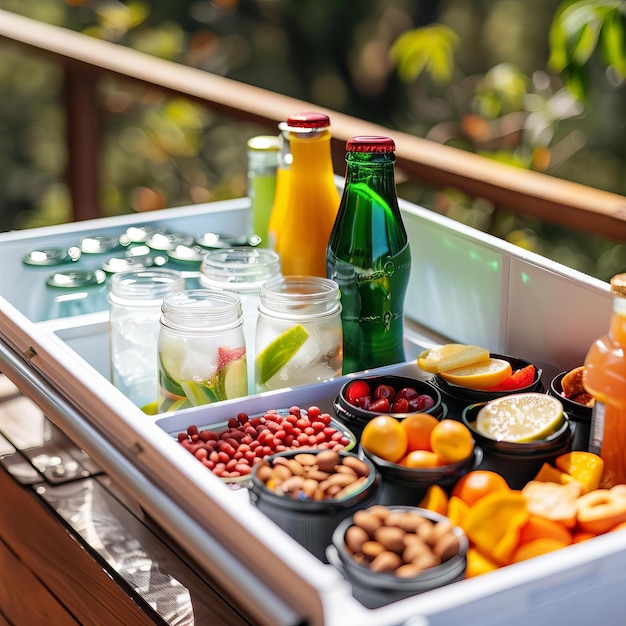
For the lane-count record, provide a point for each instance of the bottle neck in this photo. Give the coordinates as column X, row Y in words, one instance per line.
column 617, row 328
column 372, row 174
column 310, row 151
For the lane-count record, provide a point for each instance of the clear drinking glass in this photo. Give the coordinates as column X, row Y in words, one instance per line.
column 298, row 334
column 135, row 308
column 202, row 350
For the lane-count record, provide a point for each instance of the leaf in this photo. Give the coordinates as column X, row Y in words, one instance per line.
column 586, row 43
column 428, row 48
column 613, row 44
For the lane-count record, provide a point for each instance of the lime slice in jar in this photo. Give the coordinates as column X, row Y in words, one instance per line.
column 520, row 418
column 199, row 393
column 279, row 352
column 234, row 379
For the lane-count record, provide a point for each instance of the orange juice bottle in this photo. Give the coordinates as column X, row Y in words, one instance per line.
column 313, row 198
column 605, row 379
column 281, row 193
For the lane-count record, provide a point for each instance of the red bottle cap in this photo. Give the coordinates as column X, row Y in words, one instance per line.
column 308, row 120
column 370, row 143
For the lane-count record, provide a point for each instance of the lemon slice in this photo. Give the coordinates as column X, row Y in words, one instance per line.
column 450, row 356
column 480, row 375
column 279, row 352
column 520, row 418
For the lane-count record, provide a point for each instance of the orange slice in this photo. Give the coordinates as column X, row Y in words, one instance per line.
column 479, row 376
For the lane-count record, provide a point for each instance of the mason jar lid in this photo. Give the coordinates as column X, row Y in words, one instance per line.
column 239, row 268
column 51, row 256
column 144, row 285
column 370, row 143
column 76, row 279
column 201, row 309
column 302, row 297
column 99, row 244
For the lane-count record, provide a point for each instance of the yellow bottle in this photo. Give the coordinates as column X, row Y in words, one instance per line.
column 281, row 192
column 313, row 198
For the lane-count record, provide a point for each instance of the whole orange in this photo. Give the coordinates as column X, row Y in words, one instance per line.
column 452, row 441
column 384, row 436
column 477, row 484
column 418, row 428
column 420, row 458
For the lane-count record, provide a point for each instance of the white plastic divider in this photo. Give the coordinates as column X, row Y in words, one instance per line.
column 475, row 288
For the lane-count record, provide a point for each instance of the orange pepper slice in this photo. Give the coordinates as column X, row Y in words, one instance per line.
column 550, row 474
column 493, row 524
column 457, row 510
column 585, row 467
column 435, row 499
column 537, row 547
column 541, row 528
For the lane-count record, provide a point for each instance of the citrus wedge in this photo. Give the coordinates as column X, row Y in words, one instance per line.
column 450, row 356
column 521, row 417
column 479, row 376
column 234, row 379
column 279, row 352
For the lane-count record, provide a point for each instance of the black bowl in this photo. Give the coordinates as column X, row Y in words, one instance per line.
column 474, row 395
column 518, row 462
column 355, row 418
column 579, row 413
column 408, row 485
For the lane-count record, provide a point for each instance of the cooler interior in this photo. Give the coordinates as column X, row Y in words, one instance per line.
column 465, row 286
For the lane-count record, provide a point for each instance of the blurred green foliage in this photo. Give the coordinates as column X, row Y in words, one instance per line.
column 534, row 83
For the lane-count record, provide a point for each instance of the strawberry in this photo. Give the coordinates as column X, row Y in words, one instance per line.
column 226, row 355
column 517, row 380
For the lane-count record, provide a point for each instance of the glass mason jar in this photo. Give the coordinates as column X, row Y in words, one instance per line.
column 298, row 333
column 242, row 271
column 202, row 350
column 134, row 310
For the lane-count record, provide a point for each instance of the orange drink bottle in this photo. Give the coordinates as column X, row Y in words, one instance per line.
column 313, row 198
column 605, row 379
column 281, row 191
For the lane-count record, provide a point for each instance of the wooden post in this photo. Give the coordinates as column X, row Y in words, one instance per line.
column 83, row 138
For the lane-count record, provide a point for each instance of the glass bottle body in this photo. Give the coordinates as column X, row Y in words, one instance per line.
column 313, row 198
column 605, row 379
column 202, row 350
column 263, row 153
column 298, row 335
column 369, row 257
column 281, row 192
column 134, row 310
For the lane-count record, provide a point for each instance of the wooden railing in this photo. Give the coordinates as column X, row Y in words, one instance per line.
column 85, row 60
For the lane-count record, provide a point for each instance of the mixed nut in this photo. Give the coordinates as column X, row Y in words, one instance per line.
column 314, row 475
column 399, row 542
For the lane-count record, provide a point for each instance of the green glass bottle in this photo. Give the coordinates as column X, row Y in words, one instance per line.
column 368, row 256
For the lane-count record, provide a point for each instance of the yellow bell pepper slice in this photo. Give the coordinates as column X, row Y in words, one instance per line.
column 585, row 467
column 435, row 499
column 493, row 524
column 478, row 563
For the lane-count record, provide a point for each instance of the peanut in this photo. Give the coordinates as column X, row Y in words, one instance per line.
column 312, row 476
column 399, row 542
